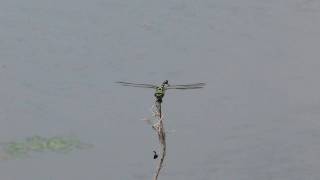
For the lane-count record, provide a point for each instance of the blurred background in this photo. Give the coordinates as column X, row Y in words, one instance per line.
column 257, row 118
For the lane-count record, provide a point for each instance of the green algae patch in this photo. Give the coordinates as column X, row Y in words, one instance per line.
column 16, row 149
column 37, row 144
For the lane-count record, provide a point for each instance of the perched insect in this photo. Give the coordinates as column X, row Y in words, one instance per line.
column 160, row 90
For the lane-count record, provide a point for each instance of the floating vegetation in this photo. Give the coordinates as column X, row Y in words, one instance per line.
column 16, row 149
column 24, row 148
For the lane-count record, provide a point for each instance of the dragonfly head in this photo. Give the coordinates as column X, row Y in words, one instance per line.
column 166, row 82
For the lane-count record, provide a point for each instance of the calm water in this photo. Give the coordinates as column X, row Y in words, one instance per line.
column 257, row 118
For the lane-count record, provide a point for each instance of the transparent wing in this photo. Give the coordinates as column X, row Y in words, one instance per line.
column 136, row 84
column 187, row 86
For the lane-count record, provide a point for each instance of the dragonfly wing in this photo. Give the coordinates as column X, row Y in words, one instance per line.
column 187, row 86
column 136, row 84
column 184, row 88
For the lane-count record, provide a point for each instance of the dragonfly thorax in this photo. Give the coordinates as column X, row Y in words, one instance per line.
column 166, row 82
column 160, row 90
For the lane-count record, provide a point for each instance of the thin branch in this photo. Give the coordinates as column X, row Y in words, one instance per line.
column 159, row 128
column 156, row 121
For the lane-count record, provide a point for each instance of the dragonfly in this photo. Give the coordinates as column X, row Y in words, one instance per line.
column 161, row 89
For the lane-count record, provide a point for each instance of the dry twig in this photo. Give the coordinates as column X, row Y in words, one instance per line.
column 159, row 128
